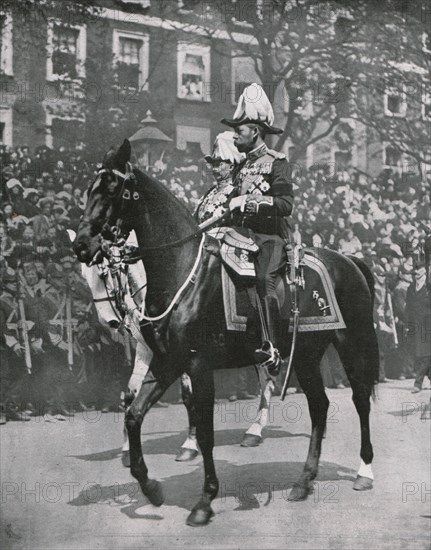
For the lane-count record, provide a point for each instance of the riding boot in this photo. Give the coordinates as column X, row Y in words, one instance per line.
column 268, row 355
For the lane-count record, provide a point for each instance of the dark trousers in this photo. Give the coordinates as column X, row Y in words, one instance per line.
column 269, row 263
column 422, row 369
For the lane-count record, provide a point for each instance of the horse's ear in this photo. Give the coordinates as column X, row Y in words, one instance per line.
column 123, row 154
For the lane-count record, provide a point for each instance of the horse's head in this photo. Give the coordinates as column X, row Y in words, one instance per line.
column 107, row 199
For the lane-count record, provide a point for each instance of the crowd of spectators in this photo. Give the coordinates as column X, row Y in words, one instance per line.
column 381, row 220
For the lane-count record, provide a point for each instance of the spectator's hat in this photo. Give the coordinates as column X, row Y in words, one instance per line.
column 224, row 150
column 54, row 271
column 30, row 192
column 64, row 195
column 45, row 201
column 10, row 184
column 418, row 258
column 254, row 108
column 9, row 279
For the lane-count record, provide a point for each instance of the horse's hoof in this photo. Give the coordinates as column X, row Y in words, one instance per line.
column 125, row 459
column 200, row 516
column 362, row 484
column 186, row 454
column 250, row 440
column 298, row 493
column 152, row 489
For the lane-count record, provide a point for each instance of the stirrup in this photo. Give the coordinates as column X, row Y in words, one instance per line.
column 268, row 357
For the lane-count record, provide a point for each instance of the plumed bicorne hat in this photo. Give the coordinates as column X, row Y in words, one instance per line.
column 224, row 149
column 254, row 108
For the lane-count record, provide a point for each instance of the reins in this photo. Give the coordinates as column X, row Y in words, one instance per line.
column 126, row 195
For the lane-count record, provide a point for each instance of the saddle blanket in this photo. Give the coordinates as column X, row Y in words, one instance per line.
column 319, row 309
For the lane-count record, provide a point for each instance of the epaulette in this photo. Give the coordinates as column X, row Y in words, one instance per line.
column 276, row 154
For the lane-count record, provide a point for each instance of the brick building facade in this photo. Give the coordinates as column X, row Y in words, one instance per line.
column 93, row 80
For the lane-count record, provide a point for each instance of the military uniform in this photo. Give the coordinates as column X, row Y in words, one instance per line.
column 13, row 373
column 263, row 175
column 264, row 200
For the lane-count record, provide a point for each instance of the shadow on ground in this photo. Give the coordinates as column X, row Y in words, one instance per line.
column 251, row 485
column 170, row 444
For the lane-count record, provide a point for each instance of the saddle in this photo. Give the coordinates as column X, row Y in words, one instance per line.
column 318, row 306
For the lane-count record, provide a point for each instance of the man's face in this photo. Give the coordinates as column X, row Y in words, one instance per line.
column 221, row 169
column 47, row 209
column 31, row 276
column 245, row 137
column 28, row 234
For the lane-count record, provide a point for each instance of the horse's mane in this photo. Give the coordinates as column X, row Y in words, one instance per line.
column 166, row 196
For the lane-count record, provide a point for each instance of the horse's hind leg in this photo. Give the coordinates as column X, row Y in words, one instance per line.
column 189, row 449
column 151, row 390
column 309, row 354
column 203, row 396
column 358, row 359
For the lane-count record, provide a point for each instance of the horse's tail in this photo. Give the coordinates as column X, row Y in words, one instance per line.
column 372, row 365
column 366, row 272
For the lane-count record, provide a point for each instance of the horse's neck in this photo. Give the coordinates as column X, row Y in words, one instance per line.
column 164, row 220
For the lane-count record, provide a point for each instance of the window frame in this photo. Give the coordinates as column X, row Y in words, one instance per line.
column 49, row 117
column 144, row 69
column 196, row 49
column 6, row 117
column 395, row 92
column 397, row 166
column 81, row 51
column 6, row 53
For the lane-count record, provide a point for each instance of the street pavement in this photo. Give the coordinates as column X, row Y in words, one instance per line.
column 64, row 487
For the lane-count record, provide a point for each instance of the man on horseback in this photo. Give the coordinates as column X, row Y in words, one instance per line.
column 223, row 159
column 264, row 199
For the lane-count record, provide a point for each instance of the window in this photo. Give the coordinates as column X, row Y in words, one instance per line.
column 187, row 135
column 342, row 160
column 6, row 57
column 66, row 51
column 131, row 58
column 395, row 102
column 193, row 72
column 63, row 131
column 391, row 156
column 6, row 126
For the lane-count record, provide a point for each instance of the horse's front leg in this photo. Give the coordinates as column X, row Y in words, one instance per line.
column 203, row 397
column 149, row 393
column 189, row 449
column 253, row 436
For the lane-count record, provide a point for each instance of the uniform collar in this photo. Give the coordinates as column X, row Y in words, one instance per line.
column 257, row 152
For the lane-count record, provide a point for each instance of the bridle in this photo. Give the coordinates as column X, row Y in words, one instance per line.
column 127, row 194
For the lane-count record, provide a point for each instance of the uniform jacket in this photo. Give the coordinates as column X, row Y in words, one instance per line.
column 418, row 309
column 265, row 172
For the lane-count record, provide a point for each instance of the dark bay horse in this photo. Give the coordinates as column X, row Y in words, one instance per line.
column 185, row 311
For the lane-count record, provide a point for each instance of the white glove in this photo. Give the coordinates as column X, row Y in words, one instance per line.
column 237, row 202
